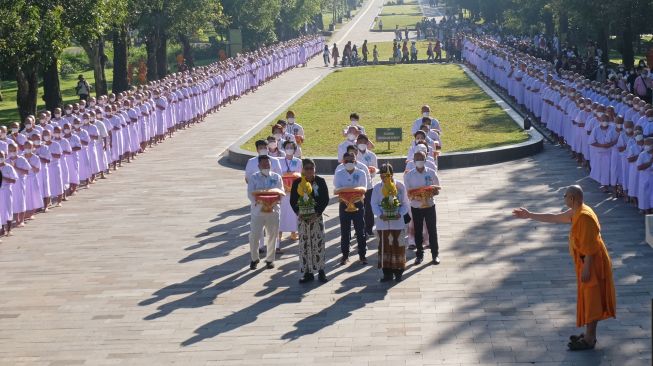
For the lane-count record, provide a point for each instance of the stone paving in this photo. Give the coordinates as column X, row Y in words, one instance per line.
column 151, row 268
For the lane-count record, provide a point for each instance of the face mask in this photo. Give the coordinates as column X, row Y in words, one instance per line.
column 291, row 121
column 272, row 145
column 351, row 137
column 277, row 136
column 620, row 126
column 263, row 152
column 265, row 171
column 2, row 160
column 362, row 147
column 419, row 164
column 629, row 130
column 27, row 151
column 425, row 114
column 14, row 130
column 57, row 135
column 12, row 154
column 57, row 115
column 37, row 143
column 350, row 166
column 604, row 124
column 3, row 135
column 28, row 125
column 600, row 114
column 77, row 125
column 91, row 104
column 86, row 121
column 66, row 130
column 69, row 111
column 290, row 152
column 639, row 138
column 354, row 122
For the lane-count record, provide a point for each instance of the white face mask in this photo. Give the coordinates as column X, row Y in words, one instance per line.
column 599, row 114
column 265, row 171
column 28, row 151
column 639, row 138
column 57, row 135
column 425, row 114
column 354, row 122
column 291, row 121
column 350, row 166
column 362, row 147
column 66, row 130
column 14, row 130
column 629, row 130
column 57, row 115
column 28, row 125
column 86, row 122
column 419, row 164
column 272, row 145
column 604, row 124
column 69, row 111
column 2, row 160
column 3, row 135
column 12, row 154
column 46, row 138
column 277, row 136
column 290, row 152
column 36, row 143
column 351, row 137
column 263, row 152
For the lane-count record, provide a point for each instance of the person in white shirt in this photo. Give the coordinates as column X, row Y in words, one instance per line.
column 426, row 113
column 252, row 163
column 264, row 179
column 423, row 206
column 351, row 177
column 368, row 158
column 390, row 205
column 294, row 128
column 352, row 135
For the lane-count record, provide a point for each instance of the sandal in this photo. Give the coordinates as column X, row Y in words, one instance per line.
column 576, row 338
column 581, row 345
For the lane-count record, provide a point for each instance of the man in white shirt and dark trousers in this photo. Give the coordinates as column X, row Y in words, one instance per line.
column 351, row 177
column 423, row 209
column 264, row 179
column 369, row 159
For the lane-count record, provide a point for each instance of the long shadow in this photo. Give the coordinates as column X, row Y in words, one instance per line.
column 528, row 309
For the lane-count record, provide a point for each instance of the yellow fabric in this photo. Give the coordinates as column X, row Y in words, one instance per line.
column 305, row 187
column 596, row 299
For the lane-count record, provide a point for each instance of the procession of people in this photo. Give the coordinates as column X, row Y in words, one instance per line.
column 286, row 195
column 75, row 146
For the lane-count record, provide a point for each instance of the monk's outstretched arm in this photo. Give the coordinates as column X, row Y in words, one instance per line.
column 553, row 218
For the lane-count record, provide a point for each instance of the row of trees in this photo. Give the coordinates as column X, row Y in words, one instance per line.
column 34, row 33
column 608, row 22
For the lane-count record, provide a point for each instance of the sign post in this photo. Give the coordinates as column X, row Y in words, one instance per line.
column 388, row 135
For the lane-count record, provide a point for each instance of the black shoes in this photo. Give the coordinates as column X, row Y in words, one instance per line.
column 344, row 260
column 321, row 276
column 398, row 277
column 419, row 260
column 253, row 264
column 436, row 260
column 308, row 277
column 386, row 279
column 269, row 265
column 363, row 260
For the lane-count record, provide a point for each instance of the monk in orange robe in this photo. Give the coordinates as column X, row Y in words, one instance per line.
column 595, row 286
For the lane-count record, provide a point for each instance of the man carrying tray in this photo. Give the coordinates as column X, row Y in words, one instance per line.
column 423, row 185
column 264, row 189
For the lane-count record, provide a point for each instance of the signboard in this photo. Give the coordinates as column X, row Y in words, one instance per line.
column 388, row 134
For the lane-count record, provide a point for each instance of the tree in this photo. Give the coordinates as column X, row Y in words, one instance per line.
column 256, row 18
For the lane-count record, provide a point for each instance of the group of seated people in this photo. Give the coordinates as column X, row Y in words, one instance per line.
column 607, row 129
column 59, row 151
column 278, row 165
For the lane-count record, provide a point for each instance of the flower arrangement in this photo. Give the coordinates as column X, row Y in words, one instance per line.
column 306, row 202
column 390, row 203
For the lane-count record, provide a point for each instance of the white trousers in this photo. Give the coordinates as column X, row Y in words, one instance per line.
column 269, row 222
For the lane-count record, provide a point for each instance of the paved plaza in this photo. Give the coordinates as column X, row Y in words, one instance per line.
column 150, row 267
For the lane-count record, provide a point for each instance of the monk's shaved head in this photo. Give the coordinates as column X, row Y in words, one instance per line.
column 576, row 192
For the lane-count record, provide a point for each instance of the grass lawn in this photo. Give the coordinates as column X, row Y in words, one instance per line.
column 401, row 10
column 391, row 21
column 391, row 96
column 385, row 50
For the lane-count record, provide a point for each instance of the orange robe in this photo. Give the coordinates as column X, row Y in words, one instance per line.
column 596, row 298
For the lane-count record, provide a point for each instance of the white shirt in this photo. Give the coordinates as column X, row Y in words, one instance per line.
column 363, row 167
column 435, row 125
column 252, row 166
column 342, row 148
column 414, row 179
column 258, row 182
column 369, row 159
column 345, row 179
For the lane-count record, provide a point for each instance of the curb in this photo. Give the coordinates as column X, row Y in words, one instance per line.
column 454, row 160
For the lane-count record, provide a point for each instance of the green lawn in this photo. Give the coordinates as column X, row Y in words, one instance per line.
column 391, row 96
column 385, row 50
column 401, row 10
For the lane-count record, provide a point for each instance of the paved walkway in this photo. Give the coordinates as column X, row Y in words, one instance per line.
column 436, row 12
column 150, row 268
